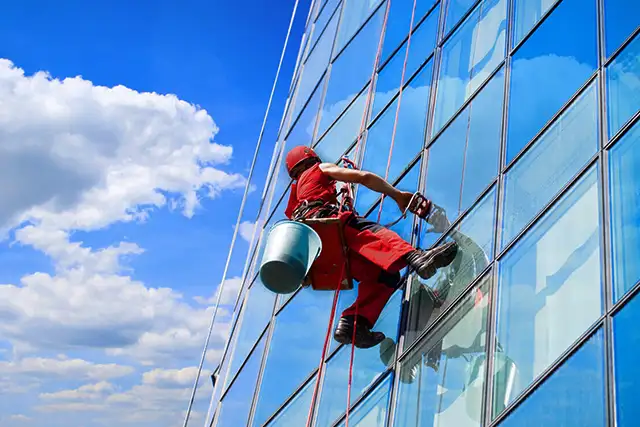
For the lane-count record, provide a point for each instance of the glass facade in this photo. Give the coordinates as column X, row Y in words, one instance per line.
column 521, row 120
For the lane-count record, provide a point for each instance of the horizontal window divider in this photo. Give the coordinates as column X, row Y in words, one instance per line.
column 585, row 169
column 292, row 396
column 363, row 396
column 286, row 303
column 294, row 122
column 446, row 36
column 244, row 362
column 322, row 30
column 550, row 123
column 464, row 105
column 535, row 26
column 623, row 131
column 358, row 31
column 622, row 47
column 548, row 372
column 624, row 299
column 319, row 138
column 438, row 321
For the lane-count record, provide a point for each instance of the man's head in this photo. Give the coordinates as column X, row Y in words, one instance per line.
column 299, row 159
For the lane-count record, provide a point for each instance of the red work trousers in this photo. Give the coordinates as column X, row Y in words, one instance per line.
column 376, row 256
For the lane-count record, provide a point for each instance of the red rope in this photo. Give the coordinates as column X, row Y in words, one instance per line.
column 395, row 122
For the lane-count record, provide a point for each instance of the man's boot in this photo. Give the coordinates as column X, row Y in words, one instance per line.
column 365, row 338
column 426, row 263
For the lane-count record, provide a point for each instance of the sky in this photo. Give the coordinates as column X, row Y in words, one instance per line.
column 127, row 131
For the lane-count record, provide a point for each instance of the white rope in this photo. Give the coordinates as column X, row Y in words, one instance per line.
column 235, row 232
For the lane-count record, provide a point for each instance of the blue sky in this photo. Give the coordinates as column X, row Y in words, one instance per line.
column 92, row 215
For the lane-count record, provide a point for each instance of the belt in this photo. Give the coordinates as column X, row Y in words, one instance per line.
column 315, row 209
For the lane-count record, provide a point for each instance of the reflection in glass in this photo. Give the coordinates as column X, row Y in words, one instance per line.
column 351, row 70
column 550, row 287
column 573, row 396
column 409, row 136
column 373, row 411
column 455, row 10
column 421, row 46
column 257, row 312
column 315, row 66
column 236, row 404
column 295, row 349
column 297, row 410
column 621, row 18
column 624, row 173
column 323, row 19
column 464, row 158
column 469, row 57
column 344, row 131
column 552, row 161
column 474, row 236
column 623, row 87
column 527, row 14
column 398, row 26
column 441, row 381
column 538, row 90
column 367, row 367
column 353, row 15
column 626, row 341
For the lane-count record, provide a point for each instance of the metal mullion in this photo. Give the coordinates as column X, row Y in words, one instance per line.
column 363, row 396
column 623, row 131
column 548, row 372
column 437, row 322
column 584, row 170
column 323, row 30
column 464, row 105
column 535, row 26
column 314, row 405
column 294, row 121
column 358, row 31
column 263, row 364
column 625, row 299
column 624, row 44
column 551, row 121
column 446, row 36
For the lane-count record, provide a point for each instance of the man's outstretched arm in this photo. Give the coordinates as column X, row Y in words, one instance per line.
column 369, row 180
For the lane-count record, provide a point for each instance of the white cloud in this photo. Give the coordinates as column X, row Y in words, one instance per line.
column 246, row 230
column 229, row 291
column 19, row 417
column 171, row 377
column 86, row 392
column 41, row 368
column 71, row 407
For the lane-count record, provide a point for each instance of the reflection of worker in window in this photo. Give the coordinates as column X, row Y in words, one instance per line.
column 376, row 254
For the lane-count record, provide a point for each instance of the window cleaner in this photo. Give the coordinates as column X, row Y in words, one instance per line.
column 355, row 247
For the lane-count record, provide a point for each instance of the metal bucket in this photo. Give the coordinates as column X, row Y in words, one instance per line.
column 291, row 249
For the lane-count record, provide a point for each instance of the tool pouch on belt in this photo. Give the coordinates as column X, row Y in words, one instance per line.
column 331, row 269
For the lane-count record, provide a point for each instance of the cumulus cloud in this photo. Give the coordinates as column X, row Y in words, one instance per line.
column 19, row 417
column 70, row 368
column 86, row 392
column 229, row 290
column 246, row 230
column 171, row 377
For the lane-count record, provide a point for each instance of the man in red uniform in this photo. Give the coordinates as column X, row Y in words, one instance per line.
column 376, row 254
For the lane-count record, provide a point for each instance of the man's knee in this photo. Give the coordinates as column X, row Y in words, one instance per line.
column 389, row 279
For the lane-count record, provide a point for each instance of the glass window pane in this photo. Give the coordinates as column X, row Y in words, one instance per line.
column 409, row 137
column 367, row 366
column 441, row 381
column 235, row 406
column 469, row 56
column 373, row 411
column 388, row 82
column 621, row 18
column 626, row 341
column 323, row 19
column 465, row 157
column 344, row 132
column 257, row 312
column 316, row 65
column 624, row 173
column 398, row 24
column 573, row 396
column 297, row 410
column 351, row 70
column 295, row 350
column 550, row 287
column 623, row 86
column 527, row 14
column 550, row 163
column 455, row 10
column 538, row 89
column 354, row 13
column 474, row 236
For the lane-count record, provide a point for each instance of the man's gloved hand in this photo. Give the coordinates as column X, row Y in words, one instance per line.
column 438, row 219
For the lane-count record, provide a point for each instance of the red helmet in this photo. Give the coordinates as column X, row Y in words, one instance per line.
column 297, row 155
